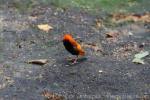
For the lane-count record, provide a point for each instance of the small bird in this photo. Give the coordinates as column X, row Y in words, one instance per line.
column 73, row 47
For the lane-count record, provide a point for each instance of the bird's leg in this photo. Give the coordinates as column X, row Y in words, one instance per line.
column 75, row 60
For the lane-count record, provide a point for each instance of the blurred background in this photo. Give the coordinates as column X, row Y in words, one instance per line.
column 108, row 6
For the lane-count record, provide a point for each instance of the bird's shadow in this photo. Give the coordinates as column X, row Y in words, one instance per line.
column 81, row 59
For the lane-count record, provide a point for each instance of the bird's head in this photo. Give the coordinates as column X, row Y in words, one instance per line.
column 67, row 37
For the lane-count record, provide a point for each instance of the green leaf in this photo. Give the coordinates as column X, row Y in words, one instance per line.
column 138, row 58
column 142, row 54
column 138, row 61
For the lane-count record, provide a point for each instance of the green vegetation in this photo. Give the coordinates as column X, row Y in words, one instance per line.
column 102, row 5
column 106, row 5
column 92, row 5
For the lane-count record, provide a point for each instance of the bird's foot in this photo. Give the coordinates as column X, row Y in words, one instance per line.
column 74, row 61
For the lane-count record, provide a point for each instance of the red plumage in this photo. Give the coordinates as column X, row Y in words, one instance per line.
column 72, row 46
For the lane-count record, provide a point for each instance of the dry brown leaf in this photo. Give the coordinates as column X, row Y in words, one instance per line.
column 38, row 61
column 92, row 46
column 145, row 97
column 45, row 27
column 112, row 34
column 51, row 96
column 99, row 23
column 117, row 18
column 33, row 18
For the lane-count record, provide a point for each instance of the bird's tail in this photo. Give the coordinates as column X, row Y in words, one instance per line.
column 81, row 51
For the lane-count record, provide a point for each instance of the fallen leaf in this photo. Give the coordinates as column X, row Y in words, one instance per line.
column 2, row 86
column 100, row 71
column 51, row 96
column 45, row 27
column 32, row 18
column 112, row 34
column 138, row 61
column 130, row 33
column 138, row 58
column 142, row 54
column 92, row 46
column 99, row 23
column 38, row 61
column 145, row 97
column 117, row 18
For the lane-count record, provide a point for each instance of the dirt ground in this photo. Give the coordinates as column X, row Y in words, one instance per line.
column 105, row 73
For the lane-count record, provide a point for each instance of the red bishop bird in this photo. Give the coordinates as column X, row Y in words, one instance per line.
column 73, row 46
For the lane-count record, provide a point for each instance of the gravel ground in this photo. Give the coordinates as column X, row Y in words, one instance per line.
column 105, row 74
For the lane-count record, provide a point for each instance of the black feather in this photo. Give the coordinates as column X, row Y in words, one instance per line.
column 70, row 48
